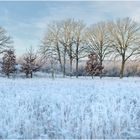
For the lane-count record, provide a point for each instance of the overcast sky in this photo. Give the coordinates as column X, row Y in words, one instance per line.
column 26, row 21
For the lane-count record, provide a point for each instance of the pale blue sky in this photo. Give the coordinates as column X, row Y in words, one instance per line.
column 26, row 21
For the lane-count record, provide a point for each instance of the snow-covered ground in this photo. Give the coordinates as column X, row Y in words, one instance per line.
column 70, row 108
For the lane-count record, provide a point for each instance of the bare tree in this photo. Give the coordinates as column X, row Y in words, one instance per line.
column 79, row 42
column 97, row 41
column 53, row 35
column 5, row 41
column 124, row 38
column 9, row 62
column 67, row 41
column 49, row 53
column 30, row 63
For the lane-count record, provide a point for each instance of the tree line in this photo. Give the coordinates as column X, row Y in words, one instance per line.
column 68, row 41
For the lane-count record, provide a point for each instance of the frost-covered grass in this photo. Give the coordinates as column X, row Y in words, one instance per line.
column 70, row 108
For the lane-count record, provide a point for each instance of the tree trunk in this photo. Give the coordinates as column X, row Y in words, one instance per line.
column 101, row 59
column 61, row 67
column 77, row 60
column 8, row 75
column 101, row 73
column 70, row 67
column 70, row 55
column 59, row 57
column 31, row 74
column 122, row 68
column 26, row 75
column 52, row 70
column 64, row 66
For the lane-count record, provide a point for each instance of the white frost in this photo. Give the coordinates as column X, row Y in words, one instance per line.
column 70, row 108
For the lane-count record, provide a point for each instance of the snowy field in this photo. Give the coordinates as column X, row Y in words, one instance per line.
column 70, row 108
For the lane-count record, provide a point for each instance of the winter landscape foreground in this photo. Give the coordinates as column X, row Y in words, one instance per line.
column 70, row 108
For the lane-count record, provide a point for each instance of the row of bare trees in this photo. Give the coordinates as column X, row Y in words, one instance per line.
column 70, row 40
column 64, row 41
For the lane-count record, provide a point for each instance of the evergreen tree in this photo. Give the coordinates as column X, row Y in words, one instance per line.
column 8, row 63
column 93, row 66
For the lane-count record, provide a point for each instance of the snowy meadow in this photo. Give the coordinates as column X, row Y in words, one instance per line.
column 70, row 108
